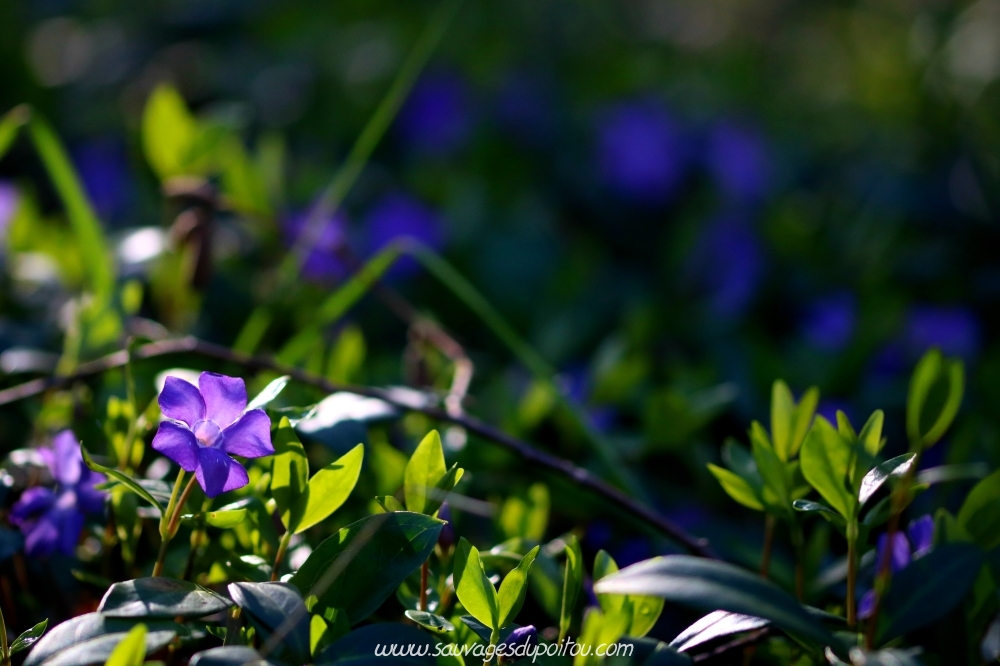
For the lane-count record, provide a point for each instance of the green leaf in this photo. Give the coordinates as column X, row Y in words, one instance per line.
column 599, row 629
column 514, row 588
column 430, row 621
column 270, row 392
column 894, row 467
column 825, row 458
column 29, row 637
column 131, row 651
column 228, row 655
column 942, row 379
column 10, row 124
column 225, row 519
column 89, row 626
column 358, row 568
column 710, row 585
column 94, row 253
column 645, row 610
column 160, row 598
column 871, row 434
column 473, row 587
column 803, row 419
column 168, row 132
column 929, row 588
column 736, row 487
column 980, row 513
column 770, row 466
column 782, row 419
column 289, row 474
column 276, row 608
column 328, row 489
column 425, row 469
column 390, row 503
column 717, row 624
column 572, row 583
column 98, row 650
column 121, row 477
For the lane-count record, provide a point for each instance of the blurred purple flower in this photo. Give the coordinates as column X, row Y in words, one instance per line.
column 830, row 321
column 900, row 552
column 954, row 329
column 435, row 119
column 921, row 532
column 51, row 520
column 8, row 204
column 323, row 263
column 208, row 424
column 729, row 264
column 399, row 215
column 103, row 168
column 737, row 159
column 517, row 645
column 640, row 152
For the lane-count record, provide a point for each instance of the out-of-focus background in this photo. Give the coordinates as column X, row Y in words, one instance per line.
column 675, row 201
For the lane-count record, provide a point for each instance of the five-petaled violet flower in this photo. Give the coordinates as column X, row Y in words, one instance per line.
column 51, row 520
column 206, row 424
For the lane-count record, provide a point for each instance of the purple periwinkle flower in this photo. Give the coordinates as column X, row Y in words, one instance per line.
column 519, row 644
column 399, row 215
column 8, row 204
column 954, row 329
column 899, row 553
column 829, row 322
column 51, row 520
column 729, row 264
column 640, row 152
column 435, row 119
column 921, row 538
column 921, row 533
column 207, row 424
column 103, row 168
column 737, row 158
column 323, row 263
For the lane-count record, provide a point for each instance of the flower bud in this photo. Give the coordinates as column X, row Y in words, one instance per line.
column 518, row 645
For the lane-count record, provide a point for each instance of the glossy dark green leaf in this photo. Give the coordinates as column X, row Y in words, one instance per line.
column 484, row 632
column 929, row 588
column 664, row 655
column 29, row 637
column 228, row 655
column 252, row 567
column 716, row 625
column 362, row 565
column 85, row 627
column 270, row 392
column 289, row 474
column 97, row 650
column 358, row 648
column 160, row 598
column 894, row 467
column 279, row 613
column 430, row 621
column 710, row 585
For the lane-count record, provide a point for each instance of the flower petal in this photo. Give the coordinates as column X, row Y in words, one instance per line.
column 69, row 522
column 89, row 499
column 249, row 437
column 225, row 397
column 178, row 444
column 41, row 538
column 218, row 473
column 180, row 400
column 32, row 501
column 67, row 463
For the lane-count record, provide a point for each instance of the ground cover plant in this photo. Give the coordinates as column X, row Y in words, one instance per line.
column 254, row 431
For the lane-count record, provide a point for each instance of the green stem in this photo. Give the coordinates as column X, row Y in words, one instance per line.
column 770, row 523
column 424, row 572
column 3, row 640
column 798, row 548
column 171, row 518
column 852, row 570
column 280, row 555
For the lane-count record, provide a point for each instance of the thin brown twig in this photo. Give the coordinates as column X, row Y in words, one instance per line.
column 193, row 345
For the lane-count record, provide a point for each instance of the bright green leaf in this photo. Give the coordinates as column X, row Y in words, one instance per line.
column 514, row 588
column 940, row 382
column 736, row 487
column 131, row 651
column 328, row 489
column 289, row 474
column 473, row 586
column 390, row 503
column 425, row 469
column 871, row 434
column 782, row 419
column 168, row 132
column 825, row 459
column 572, row 583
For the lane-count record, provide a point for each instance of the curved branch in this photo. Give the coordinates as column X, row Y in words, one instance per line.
column 193, row 345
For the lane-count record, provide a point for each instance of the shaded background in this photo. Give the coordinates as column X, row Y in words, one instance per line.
column 676, row 201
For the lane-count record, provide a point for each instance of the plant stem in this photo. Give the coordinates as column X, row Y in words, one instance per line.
column 280, row 555
column 424, row 571
column 174, row 512
column 798, row 546
column 852, row 570
column 3, row 640
column 770, row 523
